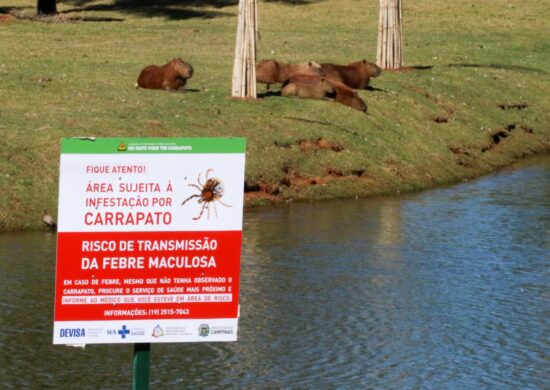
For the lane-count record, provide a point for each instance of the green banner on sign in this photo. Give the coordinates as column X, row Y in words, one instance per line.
column 152, row 145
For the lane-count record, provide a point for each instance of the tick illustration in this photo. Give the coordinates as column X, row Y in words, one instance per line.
column 210, row 193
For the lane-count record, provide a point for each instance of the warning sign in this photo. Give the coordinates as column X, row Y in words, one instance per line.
column 149, row 240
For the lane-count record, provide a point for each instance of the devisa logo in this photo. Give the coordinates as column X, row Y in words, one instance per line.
column 72, row 332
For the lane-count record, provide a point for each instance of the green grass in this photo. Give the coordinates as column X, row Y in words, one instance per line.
column 77, row 79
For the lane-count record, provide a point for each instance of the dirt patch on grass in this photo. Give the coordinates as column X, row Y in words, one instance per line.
column 310, row 145
column 41, row 80
column 513, row 106
column 5, row 19
column 459, row 150
column 320, row 143
column 153, row 124
column 498, row 135
column 294, row 182
column 467, row 155
column 395, row 168
column 255, row 193
column 284, row 145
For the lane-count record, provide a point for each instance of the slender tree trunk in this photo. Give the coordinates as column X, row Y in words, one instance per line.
column 390, row 40
column 46, row 7
column 244, row 66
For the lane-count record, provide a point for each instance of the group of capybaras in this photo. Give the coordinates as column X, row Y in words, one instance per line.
column 305, row 80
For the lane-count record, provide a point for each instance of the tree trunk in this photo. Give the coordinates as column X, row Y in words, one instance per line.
column 390, row 40
column 46, row 7
column 244, row 66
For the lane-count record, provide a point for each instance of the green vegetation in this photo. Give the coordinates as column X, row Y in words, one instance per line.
column 475, row 98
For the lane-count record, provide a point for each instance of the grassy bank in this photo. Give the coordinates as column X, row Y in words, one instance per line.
column 475, row 97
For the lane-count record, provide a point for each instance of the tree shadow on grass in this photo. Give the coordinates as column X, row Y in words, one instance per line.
column 268, row 93
column 422, row 67
column 294, row 2
column 169, row 9
column 517, row 68
column 374, row 89
column 9, row 10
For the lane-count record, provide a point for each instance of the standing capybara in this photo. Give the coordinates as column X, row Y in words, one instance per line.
column 170, row 77
column 355, row 75
column 318, row 87
column 272, row 71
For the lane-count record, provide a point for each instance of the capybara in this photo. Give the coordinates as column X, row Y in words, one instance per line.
column 307, row 86
column 272, row 71
column 348, row 96
column 171, row 76
column 318, row 87
column 355, row 75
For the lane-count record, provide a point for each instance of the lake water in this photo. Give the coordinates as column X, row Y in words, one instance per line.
column 446, row 289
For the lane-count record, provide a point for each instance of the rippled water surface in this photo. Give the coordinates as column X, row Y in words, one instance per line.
column 447, row 289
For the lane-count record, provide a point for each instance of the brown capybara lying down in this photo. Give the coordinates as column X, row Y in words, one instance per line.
column 170, row 77
column 355, row 75
column 348, row 96
column 307, row 86
column 318, row 87
column 272, row 71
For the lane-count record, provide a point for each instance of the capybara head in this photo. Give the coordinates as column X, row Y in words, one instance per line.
column 358, row 104
column 353, row 100
column 372, row 69
column 310, row 68
column 184, row 69
column 347, row 96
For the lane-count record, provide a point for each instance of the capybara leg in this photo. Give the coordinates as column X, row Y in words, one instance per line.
column 289, row 90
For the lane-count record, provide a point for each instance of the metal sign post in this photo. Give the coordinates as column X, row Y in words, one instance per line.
column 140, row 380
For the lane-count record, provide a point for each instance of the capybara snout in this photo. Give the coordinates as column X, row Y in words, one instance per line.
column 184, row 69
column 171, row 76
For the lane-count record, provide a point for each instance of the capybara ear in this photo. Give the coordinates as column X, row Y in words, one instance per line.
column 364, row 61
